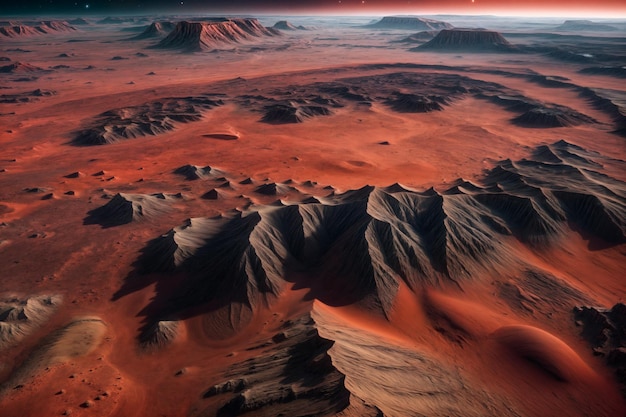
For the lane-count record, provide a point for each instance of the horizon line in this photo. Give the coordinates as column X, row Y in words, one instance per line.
column 580, row 14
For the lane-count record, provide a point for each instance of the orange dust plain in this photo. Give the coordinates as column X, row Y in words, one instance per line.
column 312, row 216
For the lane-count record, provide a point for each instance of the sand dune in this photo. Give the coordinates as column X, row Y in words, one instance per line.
column 203, row 36
column 429, row 385
column 545, row 350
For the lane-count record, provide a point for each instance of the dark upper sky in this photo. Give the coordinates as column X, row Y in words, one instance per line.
column 530, row 7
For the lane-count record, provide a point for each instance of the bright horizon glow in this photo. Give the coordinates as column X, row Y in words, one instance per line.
column 584, row 12
column 578, row 14
column 588, row 14
column 583, row 9
column 573, row 14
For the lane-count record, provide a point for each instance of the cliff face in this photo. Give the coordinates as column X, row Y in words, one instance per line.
column 376, row 238
column 477, row 40
column 201, row 36
column 43, row 28
column 412, row 23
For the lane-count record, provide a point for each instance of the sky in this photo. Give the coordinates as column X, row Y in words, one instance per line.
column 607, row 8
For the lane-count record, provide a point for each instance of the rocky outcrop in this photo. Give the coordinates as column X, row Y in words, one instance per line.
column 373, row 238
column 156, row 30
column 292, row 112
column 605, row 330
column 126, row 208
column 159, row 334
column 585, row 25
column 467, row 40
column 21, row 315
column 416, row 103
column 544, row 117
column 149, row 119
column 410, row 23
column 206, row 36
column 48, row 27
column 292, row 374
column 19, row 67
column 285, row 25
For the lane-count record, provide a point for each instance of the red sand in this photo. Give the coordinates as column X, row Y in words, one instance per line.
column 537, row 361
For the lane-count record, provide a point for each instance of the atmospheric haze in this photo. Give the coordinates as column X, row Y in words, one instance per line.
column 538, row 8
column 212, row 211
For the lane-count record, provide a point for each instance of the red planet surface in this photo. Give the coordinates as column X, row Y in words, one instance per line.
column 327, row 208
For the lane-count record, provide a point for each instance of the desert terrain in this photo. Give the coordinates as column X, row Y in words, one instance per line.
column 312, row 216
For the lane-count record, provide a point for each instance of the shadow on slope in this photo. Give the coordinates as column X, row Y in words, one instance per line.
column 359, row 246
column 126, row 208
column 205, row 36
column 292, row 374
